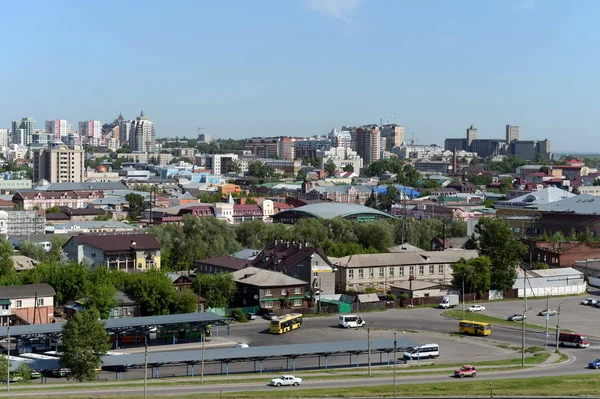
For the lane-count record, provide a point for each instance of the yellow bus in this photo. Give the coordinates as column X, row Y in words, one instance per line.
column 474, row 327
column 286, row 323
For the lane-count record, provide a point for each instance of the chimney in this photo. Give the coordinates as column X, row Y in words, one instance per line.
column 454, row 162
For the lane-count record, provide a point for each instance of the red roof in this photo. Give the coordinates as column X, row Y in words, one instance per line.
column 247, row 207
column 277, row 205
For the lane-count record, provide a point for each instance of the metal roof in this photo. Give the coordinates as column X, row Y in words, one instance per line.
column 120, row 324
column 243, row 354
column 583, row 204
column 328, row 210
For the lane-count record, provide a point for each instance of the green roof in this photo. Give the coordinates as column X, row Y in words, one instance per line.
column 4, row 301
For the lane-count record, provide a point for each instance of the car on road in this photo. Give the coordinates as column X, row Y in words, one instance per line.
column 285, row 380
column 517, row 317
column 589, row 302
column 270, row 316
column 550, row 312
column 594, row 364
column 465, row 371
column 242, row 345
column 475, row 308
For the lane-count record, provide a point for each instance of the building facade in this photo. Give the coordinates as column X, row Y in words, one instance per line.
column 91, row 130
column 368, row 143
column 22, row 131
column 59, row 128
column 393, row 134
column 58, row 163
column 142, row 136
column 512, row 133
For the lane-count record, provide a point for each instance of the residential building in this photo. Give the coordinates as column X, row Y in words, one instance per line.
column 381, row 271
column 145, row 157
column 124, row 131
column 91, row 130
column 59, row 128
column 300, row 261
column 580, row 213
column 561, row 254
column 22, row 223
column 393, row 134
column 4, row 138
column 58, row 163
column 368, row 143
column 291, row 166
column 126, row 252
column 268, row 289
column 180, row 281
column 512, row 133
column 471, row 135
column 22, row 131
column 142, row 136
column 309, row 148
column 30, row 200
column 7, row 186
column 341, row 156
column 92, row 227
column 126, row 307
column 341, row 139
column 29, row 303
column 220, row 264
column 264, row 147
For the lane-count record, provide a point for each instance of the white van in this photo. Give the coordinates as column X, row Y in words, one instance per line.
column 428, row 351
column 351, row 321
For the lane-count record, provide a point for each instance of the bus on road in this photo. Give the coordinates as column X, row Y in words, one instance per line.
column 474, row 327
column 572, row 339
column 286, row 323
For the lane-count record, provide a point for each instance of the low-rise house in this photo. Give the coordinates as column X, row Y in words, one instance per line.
column 127, row 252
column 29, row 303
column 107, row 226
column 380, row 271
column 180, row 281
column 21, row 262
column 268, row 289
column 220, row 264
column 48, row 199
column 420, row 289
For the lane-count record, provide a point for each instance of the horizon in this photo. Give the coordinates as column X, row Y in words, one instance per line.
column 302, row 67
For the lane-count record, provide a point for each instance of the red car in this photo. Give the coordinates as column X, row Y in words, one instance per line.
column 465, row 371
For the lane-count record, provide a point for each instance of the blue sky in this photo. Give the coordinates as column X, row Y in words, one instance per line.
column 300, row 67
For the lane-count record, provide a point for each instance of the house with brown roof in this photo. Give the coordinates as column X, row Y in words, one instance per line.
column 220, row 264
column 127, row 252
column 48, row 199
column 27, row 304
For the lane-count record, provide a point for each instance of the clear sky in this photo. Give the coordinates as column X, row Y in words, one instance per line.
column 300, row 67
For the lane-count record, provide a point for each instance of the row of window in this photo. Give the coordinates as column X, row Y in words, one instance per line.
column 391, row 271
column 19, row 303
column 284, row 291
column 296, row 303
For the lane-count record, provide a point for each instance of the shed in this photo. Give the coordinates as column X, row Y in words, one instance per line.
column 561, row 281
column 419, row 289
column 367, row 298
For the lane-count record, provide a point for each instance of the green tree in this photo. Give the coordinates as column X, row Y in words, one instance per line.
column 84, row 342
column 217, row 289
column 135, row 205
column 476, row 273
column 540, row 266
column 506, row 184
column 101, row 296
column 53, row 209
column 313, row 231
column 153, row 290
column 68, row 280
column 348, row 168
column 32, row 250
column 56, row 253
column 23, row 371
column 499, row 243
column 330, row 168
column 252, row 234
column 301, row 175
column 184, row 301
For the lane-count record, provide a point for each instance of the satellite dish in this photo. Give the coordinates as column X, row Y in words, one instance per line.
column 255, row 296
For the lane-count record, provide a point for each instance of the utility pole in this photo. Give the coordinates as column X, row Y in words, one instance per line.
column 8, row 357
column 523, row 320
column 547, row 315
column 202, row 361
column 145, row 364
column 463, row 295
column 369, row 346
column 394, row 358
column 558, row 325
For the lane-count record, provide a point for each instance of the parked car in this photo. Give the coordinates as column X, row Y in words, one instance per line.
column 466, row 371
column 251, row 316
column 270, row 316
column 517, row 317
column 550, row 312
column 594, row 364
column 475, row 308
column 597, row 304
column 241, row 345
column 589, row 301
column 285, row 380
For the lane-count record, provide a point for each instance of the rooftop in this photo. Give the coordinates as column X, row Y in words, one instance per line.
column 26, row 291
column 407, row 258
column 329, row 210
column 264, row 278
column 583, row 204
column 117, row 242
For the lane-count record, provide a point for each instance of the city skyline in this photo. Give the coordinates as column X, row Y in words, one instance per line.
column 301, row 68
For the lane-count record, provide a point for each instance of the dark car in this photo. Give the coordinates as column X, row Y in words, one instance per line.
column 517, row 317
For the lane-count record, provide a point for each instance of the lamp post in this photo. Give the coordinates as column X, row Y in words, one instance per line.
column 202, row 360
column 394, row 358
column 491, row 391
column 145, row 364
column 463, row 295
column 523, row 338
column 8, row 357
column 558, row 325
column 369, row 346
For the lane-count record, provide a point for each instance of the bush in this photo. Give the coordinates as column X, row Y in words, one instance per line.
column 404, row 296
column 238, row 315
column 24, row 372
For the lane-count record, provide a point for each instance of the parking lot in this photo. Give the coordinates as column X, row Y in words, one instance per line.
column 574, row 316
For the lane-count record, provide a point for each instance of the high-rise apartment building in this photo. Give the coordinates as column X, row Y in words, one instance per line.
column 512, row 133
column 124, row 130
column 368, row 143
column 58, row 127
column 22, row 131
column 90, row 130
column 393, row 134
column 4, row 138
column 142, row 137
column 471, row 135
column 58, row 163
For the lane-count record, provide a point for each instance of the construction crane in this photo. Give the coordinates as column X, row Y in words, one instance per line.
column 388, row 120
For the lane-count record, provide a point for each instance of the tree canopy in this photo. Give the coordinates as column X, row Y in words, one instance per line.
column 217, row 289
column 135, row 204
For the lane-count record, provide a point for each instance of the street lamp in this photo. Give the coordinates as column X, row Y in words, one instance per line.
column 491, row 391
column 523, row 338
column 369, row 346
column 558, row 325
column 394, row 358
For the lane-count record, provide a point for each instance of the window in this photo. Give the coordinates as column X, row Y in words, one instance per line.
column 401, row 271
column 441, row 269
column 294, row 273
column 360, row 273
column 421, row 270
column 411, row 270
column 371, row 273
column 297, row 302
column 391, row 272
column 19, row 303
column 298, row 290
column 40, row 302
column 381, row 272
column 431, row 269
column 268, row 304
column 350, row 274
column 268, row 293
column 284, row 292
column 315, row 274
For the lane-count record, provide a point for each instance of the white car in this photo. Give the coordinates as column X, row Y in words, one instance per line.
column 589, row 301
column 242, row 345
column 285, row 380
column 475, row 308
